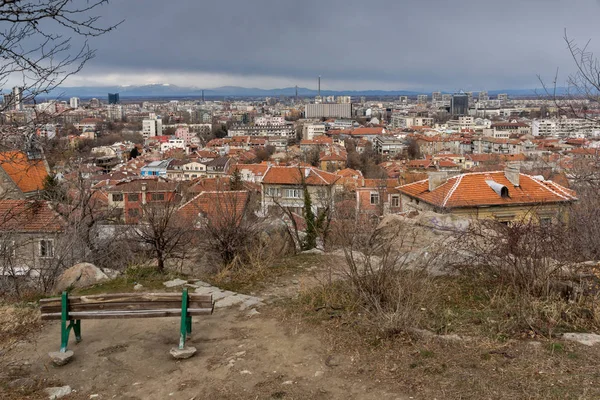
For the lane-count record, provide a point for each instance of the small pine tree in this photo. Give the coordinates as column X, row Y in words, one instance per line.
column 235, row 182
column 310, row 240
column 134, row 152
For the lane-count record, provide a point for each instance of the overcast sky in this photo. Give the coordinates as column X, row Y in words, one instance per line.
column 367, row 44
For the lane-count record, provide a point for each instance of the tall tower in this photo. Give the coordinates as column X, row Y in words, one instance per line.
column 319, row 99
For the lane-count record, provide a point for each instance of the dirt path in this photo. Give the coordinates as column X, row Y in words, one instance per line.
column 239, row 357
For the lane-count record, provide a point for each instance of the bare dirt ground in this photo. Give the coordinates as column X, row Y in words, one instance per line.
column 265, row 356
column 239, row 357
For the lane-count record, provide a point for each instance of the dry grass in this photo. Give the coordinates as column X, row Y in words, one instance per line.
column 495, row 354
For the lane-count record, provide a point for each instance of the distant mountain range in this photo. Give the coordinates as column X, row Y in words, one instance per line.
column 174, row 91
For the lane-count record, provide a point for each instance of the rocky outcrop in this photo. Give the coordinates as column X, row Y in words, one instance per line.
column 79, row 276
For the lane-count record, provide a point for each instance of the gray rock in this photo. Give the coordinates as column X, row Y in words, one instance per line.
column 174, row 283
column 138, row 286
column 79, row 276
column 218, row 295
column 588, row 339
column 182, row 354
column 58, row 392
column 205, row 290
column 228, row 301
column 201, row 283
column 60, row 359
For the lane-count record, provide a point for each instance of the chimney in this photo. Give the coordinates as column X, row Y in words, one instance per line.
column 437, row 179
column 512, row 172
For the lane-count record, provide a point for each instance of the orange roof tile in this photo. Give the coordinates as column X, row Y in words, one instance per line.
column 295, row 175
column 472, row 190
column 219, row 207
column 28, row 175
column 28, row 216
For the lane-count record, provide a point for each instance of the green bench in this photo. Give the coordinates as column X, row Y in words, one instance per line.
column 70, row 310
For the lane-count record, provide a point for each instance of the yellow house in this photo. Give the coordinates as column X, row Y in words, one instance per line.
column 503, row 195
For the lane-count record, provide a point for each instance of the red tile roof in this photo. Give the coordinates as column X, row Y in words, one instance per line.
column 295, row 175
column 28, row 216
column 28, row 175
column 218, row 207
column 472, row 190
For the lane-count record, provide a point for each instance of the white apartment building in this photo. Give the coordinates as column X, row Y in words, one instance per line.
column 269, row 120
column 309, row 132
column 152, row 126
column 344, row 99
column 402, row 121
column 172, row 144
column 74, row 102
column 463, row 122
column 114, row 112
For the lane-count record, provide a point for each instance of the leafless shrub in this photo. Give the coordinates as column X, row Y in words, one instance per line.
column 392, row 284
column 525, row 255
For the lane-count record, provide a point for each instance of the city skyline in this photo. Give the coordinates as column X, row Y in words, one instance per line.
column 353, row 45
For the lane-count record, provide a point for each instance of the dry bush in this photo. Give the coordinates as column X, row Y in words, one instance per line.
column 391, row 284
column 250, row 266
column 529, row 257
column 527, row 276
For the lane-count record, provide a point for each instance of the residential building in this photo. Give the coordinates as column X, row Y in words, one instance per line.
column 128, row 198
column 501, row 195
column 32, row 238
column 22, row 175
column 389, row 145
column 152, row 126
column 74, row 102
column 284, row 187
column 309, row 132
column 422, row 99
column 156, row 168
column 328, row 111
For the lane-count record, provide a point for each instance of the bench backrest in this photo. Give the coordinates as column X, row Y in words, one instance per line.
column 127, row 305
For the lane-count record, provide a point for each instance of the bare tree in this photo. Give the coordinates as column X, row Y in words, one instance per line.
column 162, row 231
column 32, row 49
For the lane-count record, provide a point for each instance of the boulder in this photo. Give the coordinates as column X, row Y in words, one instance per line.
column 79, row 276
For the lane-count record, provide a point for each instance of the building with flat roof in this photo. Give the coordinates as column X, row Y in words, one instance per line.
column 328, row 110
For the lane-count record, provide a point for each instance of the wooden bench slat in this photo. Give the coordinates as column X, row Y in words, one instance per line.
column 126, row 298
column 148, row 305
column 129, row 314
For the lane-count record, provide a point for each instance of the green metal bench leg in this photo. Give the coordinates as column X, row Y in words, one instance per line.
column 184, row 329
column 64, row 317
column 188, row 324
column 77, row 330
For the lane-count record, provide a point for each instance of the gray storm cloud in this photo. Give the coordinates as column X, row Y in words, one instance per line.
column 376, row 44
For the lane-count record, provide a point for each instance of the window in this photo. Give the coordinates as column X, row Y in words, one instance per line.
column 273, row 192
column 117, row 197
column 133, row 212
column 395, row 201
column 133, row 197
column 293, row 193
column 46, row 248
column 158, row 197
column 9, row 248
column 374, row 198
